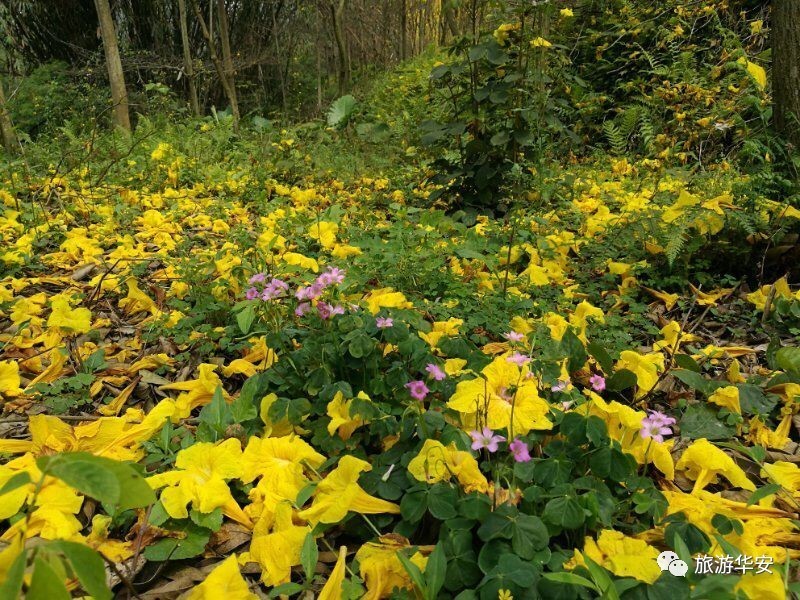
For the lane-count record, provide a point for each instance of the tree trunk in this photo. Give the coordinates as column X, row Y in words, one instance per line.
column 449, row 14
column 187, row 59
column 403, row 30
column 6, row 126
column 119, row 95
column 227, row 58
column 785, row 23
column 212, row 52
column 338, row 34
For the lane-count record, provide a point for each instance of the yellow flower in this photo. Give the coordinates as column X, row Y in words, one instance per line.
column 785, row 474
column 624, row 556
column 503, row 389
column 566, row 12
column 9, row 379
column 338, row 410
column 673, row 338
column 385, row 298
column 137, row 301
column 727, row 397
column 556, row 324
column 339, row 493
column 298, row 260
column 197, row 392
column 669, row 300
column 644, row 366
column 540, row 42
column 225, row 581
column 437, row 462
column 277, row 543
column 333, row 587
column 380, row 568
column 325, row 233
column 710, row 299
column 504, row 595
column 703, row 462
column 199, row 479
column 755, row 71
column 73, row 320
column 763, row 586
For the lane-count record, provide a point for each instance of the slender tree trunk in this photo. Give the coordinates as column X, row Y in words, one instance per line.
column 785, row 23
column 403, row 30
column 338, row 34
column 227, row 58
column 187, row 59
column 220, row 69
column 449, row 14
column 284, row 103
column 119, row 95
column 6, row 126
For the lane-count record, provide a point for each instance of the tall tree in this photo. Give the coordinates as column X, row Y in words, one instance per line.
column 187, row 59
column 785, row 25
column 338, row 34
column 227, row 57
column 6, row 126
column 119, row 94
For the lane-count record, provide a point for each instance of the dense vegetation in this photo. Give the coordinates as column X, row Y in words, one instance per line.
column 515, row 314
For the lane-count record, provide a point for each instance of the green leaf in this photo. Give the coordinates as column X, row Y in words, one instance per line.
column 499, row 523
column 602, row 579
column 475, row 506
column 309, row 554
column 91, row 475
column 413, row 572
column 341, row 111
column 684, row 361
column 754, row 401
column 212, row 520
column 788, row 359
column 763, row 492
column 413, row 505
column 621, row 380
column 46, row 584
column 564, row 511
column 603, row 358
column 15, row 481
column 192, row 542
column 695, row 380
column 285, row 589
column 12, row 586
column 88, row 567
column 246, row 317
column 572, row 347
column 701, row 421
column 529, row 534
column 443, row 501
column 570, row 578
column 362, row 345
column 435, row 571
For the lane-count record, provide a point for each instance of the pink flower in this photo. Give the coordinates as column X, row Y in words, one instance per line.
column 514, row 336
column 332, row 276
column 656, row 425
column 518, row 359
column 598, row 382
column 485, row 439
column 257, row 278
column 326, row 311
column 560, row 386
column 519, row 450
column 251, row 294
column 384, row 322
column 435, row 371
column 417, row 389
column 302, row 308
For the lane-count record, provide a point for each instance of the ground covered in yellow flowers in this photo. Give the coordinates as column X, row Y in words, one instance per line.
column 219, row 380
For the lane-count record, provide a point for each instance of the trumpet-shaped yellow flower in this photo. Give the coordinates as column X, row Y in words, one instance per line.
column 624, row 556
column 333, row 587
column 380, row 568
column 225, row 581
column 385, row 298
column 277, row 543
column 645, row 366
column 704, row 462
column 325, row 233
column 557, row 325
column 673, row 338
column 764, row 586
column 437, row 462
column 785, row 474
column 504, row 391
column 197, row 392
column 339, row 493
column 298, row 260
column 9, row 379
column 200, row 480
column 65, row 318
column 338, row 410
column 136, row 300
column 727, row 397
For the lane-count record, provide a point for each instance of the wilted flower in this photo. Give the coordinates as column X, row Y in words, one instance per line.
column 598, row 382
column 519, row 450
column 485, row 439
column 417, row 389
column 435, row 371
